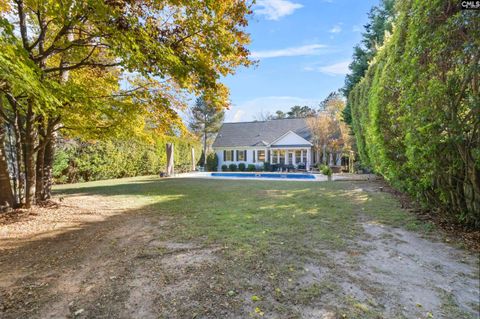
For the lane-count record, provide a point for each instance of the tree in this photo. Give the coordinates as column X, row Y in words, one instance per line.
column 330, row 133
column 280, row 115
column 205, row 121
column 6, row 195
column 294, row 112
column 380, row 22
column 49, row 53
column 301, row 112
column 416, row 112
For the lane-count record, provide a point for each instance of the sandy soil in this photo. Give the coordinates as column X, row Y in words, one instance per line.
column 86, row 260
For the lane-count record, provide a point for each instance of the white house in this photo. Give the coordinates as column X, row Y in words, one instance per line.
column 279, row 142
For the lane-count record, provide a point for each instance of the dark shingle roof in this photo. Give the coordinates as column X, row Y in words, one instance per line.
column 259, row 132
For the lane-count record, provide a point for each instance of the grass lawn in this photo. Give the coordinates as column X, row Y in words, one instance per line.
column 204, row 248
column 252, row 217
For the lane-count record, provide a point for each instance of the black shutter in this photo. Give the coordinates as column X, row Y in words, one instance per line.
column 224, row 155
column 236, row 158
column 254, row 156
column 245, row 157
column 233, row 157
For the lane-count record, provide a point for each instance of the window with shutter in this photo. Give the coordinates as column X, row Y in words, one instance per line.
column 261, row 156
column 241, row 156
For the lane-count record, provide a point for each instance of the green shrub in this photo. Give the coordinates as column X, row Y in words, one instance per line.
column 327, row 171
column 77, row 161
column 267, row 167
column 224, row 168
column 251, row 168
column 321, row 166
column 241, row 167
column 212, row 162
column 232, row 167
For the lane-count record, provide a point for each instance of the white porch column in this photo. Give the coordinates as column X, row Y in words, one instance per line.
column 294, row 160
column 339, row 158
column 309, row 159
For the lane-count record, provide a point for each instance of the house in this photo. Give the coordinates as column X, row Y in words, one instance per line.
column 279, row 142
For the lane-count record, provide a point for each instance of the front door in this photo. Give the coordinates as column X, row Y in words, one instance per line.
column 290, row 158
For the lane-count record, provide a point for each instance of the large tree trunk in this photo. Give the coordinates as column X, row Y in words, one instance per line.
column 19, row 156
column 45, row 157
column 29, row 157
column 39, row 191
column 6, row 194
column 48, row 167
column 204, row 150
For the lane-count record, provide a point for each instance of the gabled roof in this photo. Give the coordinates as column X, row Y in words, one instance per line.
column 290, row 138
column 260, row 133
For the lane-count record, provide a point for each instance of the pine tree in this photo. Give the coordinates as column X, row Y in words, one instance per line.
column 205, row 121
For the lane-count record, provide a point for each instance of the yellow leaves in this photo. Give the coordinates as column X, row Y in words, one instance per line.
column 259, row 311
column 4, row 6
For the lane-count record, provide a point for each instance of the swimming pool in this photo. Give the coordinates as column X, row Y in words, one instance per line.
column 264, row 175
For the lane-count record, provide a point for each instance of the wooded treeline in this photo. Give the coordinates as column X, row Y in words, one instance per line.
column 95, row 69
column 416, row 111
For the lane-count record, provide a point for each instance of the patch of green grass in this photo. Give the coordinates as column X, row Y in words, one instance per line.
column 357, row 309
column 308, row 294
column 254, row 216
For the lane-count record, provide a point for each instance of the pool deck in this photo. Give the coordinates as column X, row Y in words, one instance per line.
column 318, row 177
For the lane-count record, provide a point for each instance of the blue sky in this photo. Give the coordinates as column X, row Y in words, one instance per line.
column 303, row 48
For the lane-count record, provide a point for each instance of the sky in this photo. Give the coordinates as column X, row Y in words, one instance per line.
column 303, row 48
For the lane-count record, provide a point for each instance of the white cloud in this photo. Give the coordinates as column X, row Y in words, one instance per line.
column 237, row 117
column 310, row 49
column 336, row 29
column 249, row 110
column 340, row 68
column 275, row 9
column 356, row 28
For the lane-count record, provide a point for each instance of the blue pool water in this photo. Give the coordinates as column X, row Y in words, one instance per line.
column 264, row 175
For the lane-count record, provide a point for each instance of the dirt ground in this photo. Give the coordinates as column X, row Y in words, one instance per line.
column 83, row 259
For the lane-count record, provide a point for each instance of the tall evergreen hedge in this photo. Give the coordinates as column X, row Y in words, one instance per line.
column 77, row 161
column 416, row 113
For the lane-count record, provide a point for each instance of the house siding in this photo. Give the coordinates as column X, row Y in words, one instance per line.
column 250, row 156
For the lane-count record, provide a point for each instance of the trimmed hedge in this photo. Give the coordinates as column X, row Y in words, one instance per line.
column 77, row 161
column 415, row 112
